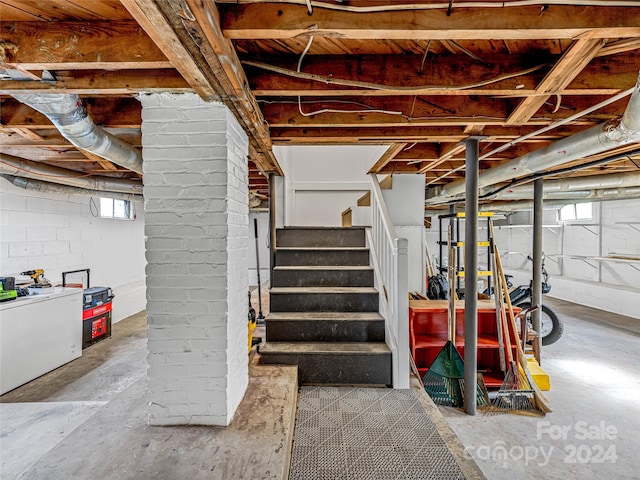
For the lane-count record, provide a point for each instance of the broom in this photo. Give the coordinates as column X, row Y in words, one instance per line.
column 518, row 392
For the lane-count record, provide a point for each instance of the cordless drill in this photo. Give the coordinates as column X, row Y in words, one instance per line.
column 37, row 276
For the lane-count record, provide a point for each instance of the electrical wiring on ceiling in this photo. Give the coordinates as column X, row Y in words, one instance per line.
column 392, row 7
column 330, row 110
column 377, row 86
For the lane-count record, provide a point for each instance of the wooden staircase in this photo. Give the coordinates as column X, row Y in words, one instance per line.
column 324, row 309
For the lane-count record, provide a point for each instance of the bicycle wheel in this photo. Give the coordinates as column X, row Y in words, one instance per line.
column 550, row 324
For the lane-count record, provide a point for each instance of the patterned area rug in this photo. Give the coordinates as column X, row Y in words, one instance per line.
column 367, row 433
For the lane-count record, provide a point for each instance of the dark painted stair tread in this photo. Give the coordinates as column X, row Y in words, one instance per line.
column 323, row 290
column 327, row 348
column 319, row 227
column 324, row 249
column 325, row 316
column 323, row 267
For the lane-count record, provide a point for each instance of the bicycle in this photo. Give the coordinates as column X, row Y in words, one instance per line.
column 551, row 326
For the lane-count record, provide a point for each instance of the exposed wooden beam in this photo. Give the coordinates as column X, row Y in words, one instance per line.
column 43, row 155
column 399, row 167
column 107, row 112
column 92, row 83
column 158, row 28
column 273, row 21
column 386, row 111
column 448, row 151
column 561, row 75
column 418, row 152
column 189, row 34
column 108, row 45
column 620, row 46
column 405, row 134
column 400, row 75
column 27, row 133
column 63, row 9
column 225, row 64
column 434, row 111
column 387, row 156
column 104, row 163
column 390, row 74
column 53, row 140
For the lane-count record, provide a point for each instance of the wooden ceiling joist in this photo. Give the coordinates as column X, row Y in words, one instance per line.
column 105, row 111
column 105, row 45
column 54, row 140
column 388, row 155
column 407, row 134
column 154, row 23
column 93, row 83
column 189, row 35
column 561, row 75
column 381, row 112
column 273, row 21
column 325, row 75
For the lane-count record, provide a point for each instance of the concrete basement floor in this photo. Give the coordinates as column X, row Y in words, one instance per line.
column 88, row 419
column 594, row 430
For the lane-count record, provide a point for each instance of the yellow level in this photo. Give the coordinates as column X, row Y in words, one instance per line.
column 485, row 243
column 480, row 214
column 481, row 273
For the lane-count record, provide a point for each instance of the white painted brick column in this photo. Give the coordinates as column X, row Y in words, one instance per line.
column 196, row 212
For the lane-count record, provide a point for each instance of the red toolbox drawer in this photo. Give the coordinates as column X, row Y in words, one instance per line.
column 96, row 324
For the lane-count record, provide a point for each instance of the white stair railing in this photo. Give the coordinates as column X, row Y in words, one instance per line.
column 390, row 259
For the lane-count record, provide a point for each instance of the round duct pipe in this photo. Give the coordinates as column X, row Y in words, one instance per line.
column 46, row 187
column 26, row 168
column 595, row 140
column 573, row 185
column 70, row 117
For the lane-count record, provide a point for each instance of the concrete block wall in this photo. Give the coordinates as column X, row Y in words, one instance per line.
column 196, row 201
column 570, row 249
column 604, row 284
column 58, row 232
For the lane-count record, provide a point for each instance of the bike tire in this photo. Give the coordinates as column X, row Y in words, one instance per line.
column 557, row 328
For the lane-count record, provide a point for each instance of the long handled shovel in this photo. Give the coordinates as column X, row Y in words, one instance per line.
column 260, row 315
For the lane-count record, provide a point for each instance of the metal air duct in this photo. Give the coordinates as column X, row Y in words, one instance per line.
column 568, row 187
column 26, row 168
column 70, row 117
column 595, row 140
column 46, row 187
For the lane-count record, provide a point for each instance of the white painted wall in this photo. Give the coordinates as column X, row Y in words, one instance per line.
column 322, row 181
column 606, row 285
column 58, row 232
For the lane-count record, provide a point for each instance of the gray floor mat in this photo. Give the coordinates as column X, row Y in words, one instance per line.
column 367, row 433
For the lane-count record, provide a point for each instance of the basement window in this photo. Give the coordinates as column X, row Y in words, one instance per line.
column 112, row 208
column 576, row 211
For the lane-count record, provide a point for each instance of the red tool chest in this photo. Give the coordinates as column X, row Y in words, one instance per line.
column 96, row 315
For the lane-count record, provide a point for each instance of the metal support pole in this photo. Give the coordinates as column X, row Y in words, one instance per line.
column 471, row 277
column 536, row 284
